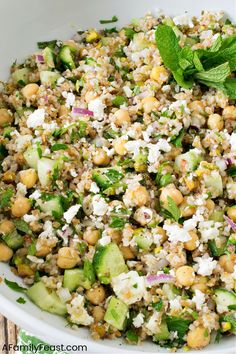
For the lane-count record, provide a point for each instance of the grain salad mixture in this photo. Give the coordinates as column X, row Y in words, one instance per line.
column 117, row 181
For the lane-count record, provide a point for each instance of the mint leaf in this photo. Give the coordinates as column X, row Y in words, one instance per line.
column 217, row 74
column 14, row 286
column 173, row 209
column 178, row 324
column 58, row 146
column 117, row 223
column 5, row 197
column 230, row 87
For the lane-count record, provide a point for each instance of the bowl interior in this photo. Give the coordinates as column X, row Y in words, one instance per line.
column 24, row 23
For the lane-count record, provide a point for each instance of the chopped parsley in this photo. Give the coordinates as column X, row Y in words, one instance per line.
column 112, row 20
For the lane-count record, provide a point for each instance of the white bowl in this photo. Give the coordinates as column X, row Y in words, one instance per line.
column 24, row 23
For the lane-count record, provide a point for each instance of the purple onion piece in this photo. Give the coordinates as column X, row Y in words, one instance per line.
column 160, row 278
column 82, row 111
column 230, row 223
column 229, row 161
column 40, row 58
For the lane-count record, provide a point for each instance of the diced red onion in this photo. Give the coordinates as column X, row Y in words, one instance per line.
column 82, row 111
column 231, row 223
column 159, row 278
column 229, row 161
column 40, row 58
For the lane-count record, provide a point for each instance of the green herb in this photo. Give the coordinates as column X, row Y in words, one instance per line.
column 89, row 61
column 21, row 83
column 178, row 324
column 57, row 147
column 3, row 152
column 89, row 271
column 13, row 240
column 173, row 209
column 107, row 177
column 158, row 305
column 206, row 333
column 231, row 171
column 177, row 140
column 36, row 276
column 82, row 247
column 14, row 286
column 163, row 180
column 232, row 307
column 50, row 44
column 22, row 226
column 231, row 319
column 129, row 33
column 117, row 223
column 112, row 20
column 21, row 300
column 215, row 251
column 5, row 197
column 119, row 53
column 32, row 249
column 111, row 79
column 110, row 30
column 119, row 101
column 39, row 150
column 218, row 336
column 81, row 131
column 132, row 336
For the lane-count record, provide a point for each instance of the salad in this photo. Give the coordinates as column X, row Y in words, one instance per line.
column 117, row 180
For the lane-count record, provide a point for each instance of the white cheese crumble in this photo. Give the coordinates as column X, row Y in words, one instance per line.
column 71, row 212
column 94, row 188
column 183, row 20
column 29, row 218
column 35, row 259
column 21, row 141
column 205, row 265
column 21, row 189
column 176, row 234
column 70, row 98
column 138, row 320
column 48, row 230
column 209, row 230
column 64, row 294
column 35, row 195
column 36, row 118
column 97, row 107
column 234, row 273
column 99, row 205
column 129, row 287
column 154, row 150
column 153, row 324
column 198, row 299
column 175, row 304
column 105, row 240
column 233, row 141
column 77, row 312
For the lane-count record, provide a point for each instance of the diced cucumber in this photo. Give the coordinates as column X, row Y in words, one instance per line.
column 46, row 299
column 32, row 157
column 73, row 278
column 116, row 313
column 217, row 215
column 170, row 291
column 21, row 75
column 51, row 205
column 224, row 299
column 108, row 262
column 13, row 240
column 107, row 177
column 143, row 242
column 48, row 77
column 163, row 332
column 49, row 57
column 45, row 169
column 66, row 57
column 188, row 162
column 214, row 184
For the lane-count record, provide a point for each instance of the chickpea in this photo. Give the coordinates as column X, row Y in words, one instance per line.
column 91, row 236
column 200, row 283
column 187, row 210
column 5, row 117
column 20, row 207
column 29, row 90
column 150, row 104
column 160, row 231
column 215, row 121
column 28, row 177
column 185, row 275
column 172, row 192
column 6, row 227
column 24, row 270
column 43, row 251
column 96, row 295
column 198, row 338
column 67, row 258
column 227, row 262
column 127, row 252
column 231, row 212
column 119, row 146
column 9, row 177
column 210, row 205
column 115, row 235
column 98, row 313
column 229, row 112
column 197, row 107
column 192, row 244
column 63, row 111
column 143, row 215
column 159, row 74
column 122, row 117
column 138, row 196
column 101, row 158
column 5, row 253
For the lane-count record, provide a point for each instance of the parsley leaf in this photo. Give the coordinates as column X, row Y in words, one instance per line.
column 231, row 319
column 50, row 44
column 158, row 305
column 119, row 101
column 173, row 209
column 177, row 140
column 21, row 300
column 117, row 223
column 178, row 324
column 112, row 20
column 58, row 146
column 231, row 171
column 129, row 33
column 5, row 197
column 14, row 286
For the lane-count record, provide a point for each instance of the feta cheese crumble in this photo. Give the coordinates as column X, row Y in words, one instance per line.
column 36, row 119
column 176, row 234
column 71, row 212
column 205, row 265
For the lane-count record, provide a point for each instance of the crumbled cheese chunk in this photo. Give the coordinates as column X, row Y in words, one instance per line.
column 234, row 273
column 70, row 98
column 29, row 218
column 78, row 313
column 105, row 240
column 138, row 320
column 99, row 205
column 94, row 188
column 71, row 212
column 21, row 189
column 233, row 141
column 36, row 118
column 153, row 324
column 199, row 299
column 21, row 141
column 35, row 195
column 129, row 287
column 209, row 230
column 97, row 107
column 183, row 20
column 205, row 265
column 175, row 304
column 35, row 259
column 176, row 234
column 48, row 230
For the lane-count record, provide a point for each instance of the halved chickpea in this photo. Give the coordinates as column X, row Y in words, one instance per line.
column 229, row 112
column 150, row 104
column 119, row 146
column 185, row 275
column 159, row 74
column 91, row 236
column 198, row 338
column 122, row 117
column 6, row 253
column 210, row 205
column 160, row 231
column 138, row 196
column 28, row 177
column 101, row 158
column 5, row 117
column 67, row 258
column 127, row 252
column 172, row 192
column 96, row 295
column 192, row 244
column 20, row 207
column 227, row 262
column 24, row 270
column 29, row 90
column 9, row 177
column 98, row 313
column 187, row 210
column 115, row 235
column 6, row 227
column 215, row 121
column 200, row 283
column 231, row 212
